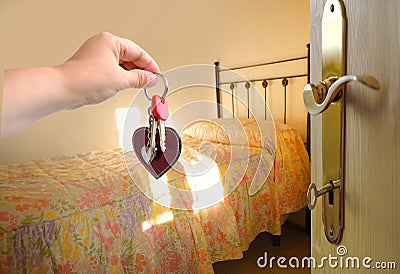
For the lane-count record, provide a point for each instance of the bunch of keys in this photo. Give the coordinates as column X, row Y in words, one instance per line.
column 158, row 114
column 157, row 147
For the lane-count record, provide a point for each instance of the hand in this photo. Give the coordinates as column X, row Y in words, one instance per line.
column 104, row 65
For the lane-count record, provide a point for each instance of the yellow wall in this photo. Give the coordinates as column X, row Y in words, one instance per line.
column 175, row 33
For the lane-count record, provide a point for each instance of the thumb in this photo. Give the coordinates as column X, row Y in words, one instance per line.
column 138, row 78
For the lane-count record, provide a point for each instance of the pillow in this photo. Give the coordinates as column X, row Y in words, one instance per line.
column 233, row 131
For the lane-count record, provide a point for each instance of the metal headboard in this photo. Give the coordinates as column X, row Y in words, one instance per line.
column 264, row 81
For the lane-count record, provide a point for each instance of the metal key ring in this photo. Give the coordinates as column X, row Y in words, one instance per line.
column 165, row 89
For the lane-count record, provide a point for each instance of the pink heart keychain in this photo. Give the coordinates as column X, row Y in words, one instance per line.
column 160, row 107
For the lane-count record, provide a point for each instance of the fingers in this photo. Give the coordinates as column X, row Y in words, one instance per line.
column 132, row 56
column 136, row 66
column 139, row 78
column 140, row 66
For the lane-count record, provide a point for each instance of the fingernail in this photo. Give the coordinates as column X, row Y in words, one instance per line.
column 151, row 79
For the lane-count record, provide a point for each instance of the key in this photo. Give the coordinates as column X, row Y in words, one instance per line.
column 151, row 146
column 160, row 111
column 161, row 133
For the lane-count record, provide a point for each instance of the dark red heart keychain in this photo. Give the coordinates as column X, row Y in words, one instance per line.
column 163, row 161
column 157, row 147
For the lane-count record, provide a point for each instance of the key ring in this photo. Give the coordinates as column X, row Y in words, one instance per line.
column 165, row 89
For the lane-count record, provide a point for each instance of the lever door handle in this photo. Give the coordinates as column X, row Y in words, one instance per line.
column 317, row 98
column 327, row 97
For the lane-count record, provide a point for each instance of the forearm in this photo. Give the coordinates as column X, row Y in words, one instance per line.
column 103, row 65
column 30, row 94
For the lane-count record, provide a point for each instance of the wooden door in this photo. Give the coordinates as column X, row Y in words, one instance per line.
column 372, row 141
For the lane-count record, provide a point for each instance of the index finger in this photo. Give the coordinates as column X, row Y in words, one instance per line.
column 132, row 53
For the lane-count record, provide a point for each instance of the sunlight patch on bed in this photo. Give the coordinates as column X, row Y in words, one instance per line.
column 162, row 209
column 160, row 192
column 159, row 219
column 206, row 186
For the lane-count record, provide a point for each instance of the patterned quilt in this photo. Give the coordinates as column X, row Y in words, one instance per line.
column 99, row 212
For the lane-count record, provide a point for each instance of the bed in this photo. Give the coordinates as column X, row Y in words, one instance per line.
column 83, row 213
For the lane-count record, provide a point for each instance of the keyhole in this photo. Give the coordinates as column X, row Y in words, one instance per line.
column 330, row 194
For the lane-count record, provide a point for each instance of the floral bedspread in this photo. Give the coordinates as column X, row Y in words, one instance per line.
column 85, row 213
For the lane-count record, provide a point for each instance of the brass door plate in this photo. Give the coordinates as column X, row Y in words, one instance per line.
column 333, row 65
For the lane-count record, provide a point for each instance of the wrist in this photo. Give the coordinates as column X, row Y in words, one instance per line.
column 70, row 88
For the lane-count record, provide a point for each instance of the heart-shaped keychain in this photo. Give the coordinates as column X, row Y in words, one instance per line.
column 160, row 107
column 162, row 161
column 157, row 147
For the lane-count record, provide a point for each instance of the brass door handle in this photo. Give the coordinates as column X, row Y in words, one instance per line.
column 317, row 98
column 327, row 99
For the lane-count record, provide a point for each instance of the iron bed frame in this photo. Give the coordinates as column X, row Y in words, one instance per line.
column 219, row 83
